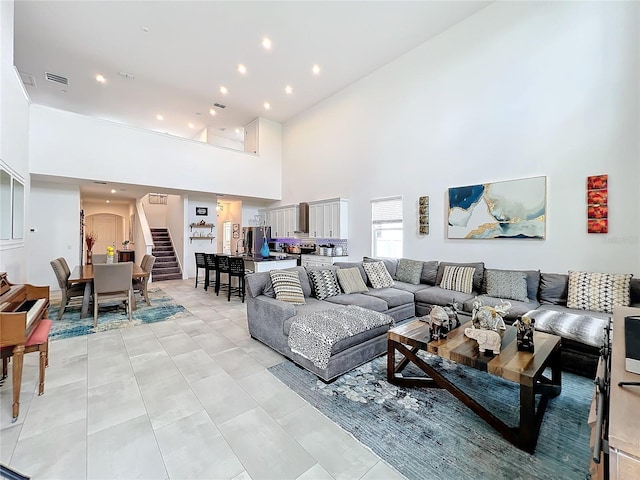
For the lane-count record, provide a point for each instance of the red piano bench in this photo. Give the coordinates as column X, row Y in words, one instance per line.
column 38, row 341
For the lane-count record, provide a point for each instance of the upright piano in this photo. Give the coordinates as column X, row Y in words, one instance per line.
column 21, row 309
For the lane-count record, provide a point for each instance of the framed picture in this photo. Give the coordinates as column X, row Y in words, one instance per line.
column 236, row 230
column 423, row 215
column 202, row 211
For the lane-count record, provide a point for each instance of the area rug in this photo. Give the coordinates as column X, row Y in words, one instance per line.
column 428, row 434
column 163, row 307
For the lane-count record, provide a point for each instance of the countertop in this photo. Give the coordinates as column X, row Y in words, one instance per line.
column 259, row 258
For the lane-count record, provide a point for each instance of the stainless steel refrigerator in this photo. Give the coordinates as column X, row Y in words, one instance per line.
column 253, row 238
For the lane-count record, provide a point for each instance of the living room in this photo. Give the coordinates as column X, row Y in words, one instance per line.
column 518, row 90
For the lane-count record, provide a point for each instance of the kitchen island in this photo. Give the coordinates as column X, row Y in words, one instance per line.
column 264, row 264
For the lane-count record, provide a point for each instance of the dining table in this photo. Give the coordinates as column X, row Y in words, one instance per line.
column 84, row 274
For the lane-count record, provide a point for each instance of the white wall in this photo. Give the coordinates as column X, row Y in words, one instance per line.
column 520, row 89
column 56, row 234
column 14, row 142
column 70, row 145
column 192, row 246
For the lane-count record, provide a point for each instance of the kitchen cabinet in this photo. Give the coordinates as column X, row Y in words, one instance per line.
column 320, row 260
column 282, row 220
column 329, row 218
column 251, row 137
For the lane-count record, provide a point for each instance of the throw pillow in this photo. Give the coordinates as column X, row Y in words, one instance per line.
column 599, row 292
column 459, row 279
column 507, row 284
column 287, row 286
column 351, row 280
column 378, row 274
column 324, row 283
column 409, row 271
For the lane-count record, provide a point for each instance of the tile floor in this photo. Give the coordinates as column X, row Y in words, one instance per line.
column 183, row 399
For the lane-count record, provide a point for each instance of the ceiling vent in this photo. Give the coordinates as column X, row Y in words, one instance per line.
column 52, row 77
column 219, row 105
column 28, row 79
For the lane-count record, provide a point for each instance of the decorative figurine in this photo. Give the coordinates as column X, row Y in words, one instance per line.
column 489, row 318
column 442, row 320
column 487, row 340
column 525, row 327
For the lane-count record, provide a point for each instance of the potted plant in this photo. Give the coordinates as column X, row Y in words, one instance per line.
column 125, row 245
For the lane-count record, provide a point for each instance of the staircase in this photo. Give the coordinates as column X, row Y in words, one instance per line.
column 166, row 266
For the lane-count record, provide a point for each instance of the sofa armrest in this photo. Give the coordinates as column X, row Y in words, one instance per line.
column 266, row 317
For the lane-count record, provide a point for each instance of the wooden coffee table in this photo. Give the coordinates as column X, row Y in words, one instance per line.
column 525, row 368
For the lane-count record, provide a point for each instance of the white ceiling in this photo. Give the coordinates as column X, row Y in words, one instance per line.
column 181, row 52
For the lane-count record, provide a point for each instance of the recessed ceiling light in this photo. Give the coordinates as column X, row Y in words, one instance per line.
column 267, row 106
column 237, row 130
column 242, row 69
column 113, row 190
column 288, row 89
column 159, row 117
column 223, row 90
column 266, row 43
column 100, row 78
column 108, row 201
column 212, row 111
column 145, row 29
column 190, row 125
column 315, row 69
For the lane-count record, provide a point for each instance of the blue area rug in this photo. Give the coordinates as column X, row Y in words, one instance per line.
column 428, row 434
column 162, row 308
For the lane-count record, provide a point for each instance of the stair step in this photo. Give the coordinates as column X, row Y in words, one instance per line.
column 170, row 276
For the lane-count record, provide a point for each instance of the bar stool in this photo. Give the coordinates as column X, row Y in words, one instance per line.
column 223, row 267
column 201, row 263
column 236, row 269
column 211, row 265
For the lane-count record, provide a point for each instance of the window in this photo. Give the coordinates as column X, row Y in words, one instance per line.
column 386, row 227
column 158, row 198
column 11, row 207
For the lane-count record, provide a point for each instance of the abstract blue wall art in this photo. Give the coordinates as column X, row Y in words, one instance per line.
column 510, row 209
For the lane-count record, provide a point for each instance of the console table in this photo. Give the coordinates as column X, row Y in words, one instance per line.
column 624, row 405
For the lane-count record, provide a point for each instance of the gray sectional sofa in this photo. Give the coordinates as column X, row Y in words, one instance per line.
column 269, row 319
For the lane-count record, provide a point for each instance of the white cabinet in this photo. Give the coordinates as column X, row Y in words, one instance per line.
column 251, row 137
column 282, row 220
column 320, row 260
column 329, row 219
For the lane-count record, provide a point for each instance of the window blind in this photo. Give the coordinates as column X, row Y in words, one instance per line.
column 386, row 210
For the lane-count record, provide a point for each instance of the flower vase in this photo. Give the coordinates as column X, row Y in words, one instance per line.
column 264, row 251
column 89, row 257
column 109, row 258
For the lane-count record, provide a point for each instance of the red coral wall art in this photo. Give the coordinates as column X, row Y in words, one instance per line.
column 597, row 204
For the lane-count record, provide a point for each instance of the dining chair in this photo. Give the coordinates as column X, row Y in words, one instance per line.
column 211, row 266
column 69, row 292
column 99, row 258
column 65, row 266
column 112, row 282
column 140, row 284
column 222, row 267
column 237, row 270
column 38, row 341
column 201, row 263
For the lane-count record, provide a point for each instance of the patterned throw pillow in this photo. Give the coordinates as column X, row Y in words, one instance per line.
column 599, row 292
column 351, row 280
column 378, row 274
column 459, row 279
column 324, row 283
column 507, row 284
column 409, row 271
column 287, row 286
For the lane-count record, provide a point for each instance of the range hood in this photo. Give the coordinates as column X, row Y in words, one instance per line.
column 303, row 218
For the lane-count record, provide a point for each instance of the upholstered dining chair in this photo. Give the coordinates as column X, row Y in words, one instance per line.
column 69, row 292
column 201, row 263
column 99, row 258
column 140, row 284
column 112, row 282
column 65, row 266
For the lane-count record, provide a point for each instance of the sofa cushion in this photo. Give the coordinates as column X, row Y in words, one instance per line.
column 360, row 299
column 429, row 272
column 440, row 296
column 599, row 292
column 509, row 284
column 393, row 296
column 409, row 271
column 351, row 280
column 582, row 328
column 477, row 276
column 378, row 274
column 553, row 288
column 259, row 283
column 324, row 283
column 312, row 305
column 410, row 287
column 390, row 263
column 287, row 286
column 517, row 308
column 459, row 279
